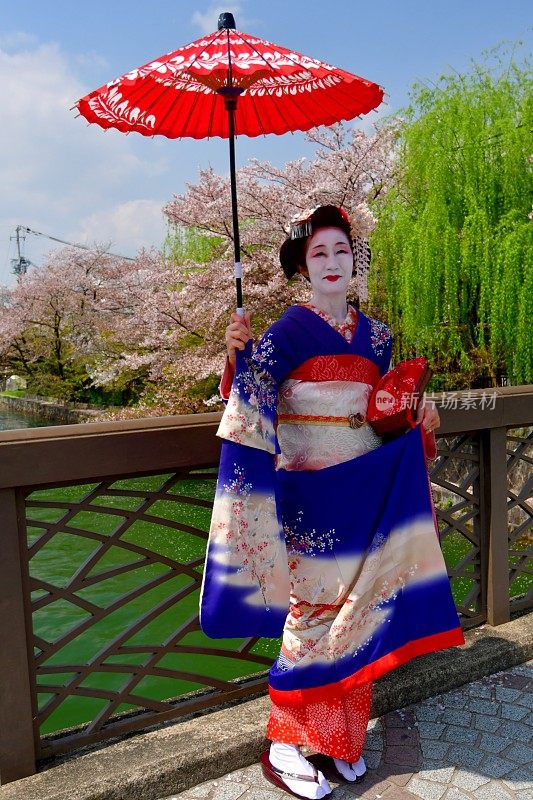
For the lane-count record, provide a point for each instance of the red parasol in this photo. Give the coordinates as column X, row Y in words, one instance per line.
column 226, row 84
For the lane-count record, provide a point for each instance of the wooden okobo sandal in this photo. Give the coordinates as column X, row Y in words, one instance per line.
column 275, row 775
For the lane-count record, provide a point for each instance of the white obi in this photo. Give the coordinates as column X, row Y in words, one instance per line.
column 314, row 445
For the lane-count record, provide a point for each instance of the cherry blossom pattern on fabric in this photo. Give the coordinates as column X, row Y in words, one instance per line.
column 380, row 335
column 245, row 540
column 300, row 539
column 345, row 328
column 348, row 628
column 251, row 409
column 335, row 727
column 264, row 352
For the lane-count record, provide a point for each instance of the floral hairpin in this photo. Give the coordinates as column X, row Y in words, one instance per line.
column 344, row 215
column 301, row 225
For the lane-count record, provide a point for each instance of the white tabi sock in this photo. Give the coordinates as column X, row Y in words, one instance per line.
column 288, row 758
column 350, row 771
column 359, row 767
column 345, row 769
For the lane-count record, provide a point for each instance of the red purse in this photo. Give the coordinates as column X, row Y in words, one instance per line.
column 394, row 401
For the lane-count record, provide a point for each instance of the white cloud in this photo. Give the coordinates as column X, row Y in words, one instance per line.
column 92, row 59
column 17, row 40
column 126, row 227
column 62, row 176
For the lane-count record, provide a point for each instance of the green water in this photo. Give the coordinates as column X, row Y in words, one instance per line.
column 9, row 420
column 86, row 543
column 119, row 651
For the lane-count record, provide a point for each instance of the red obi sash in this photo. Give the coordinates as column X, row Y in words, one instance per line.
column 344, row 367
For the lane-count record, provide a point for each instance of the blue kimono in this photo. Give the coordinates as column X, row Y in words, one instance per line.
column 320, row 530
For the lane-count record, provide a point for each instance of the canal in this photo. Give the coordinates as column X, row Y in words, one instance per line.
column 10, row 420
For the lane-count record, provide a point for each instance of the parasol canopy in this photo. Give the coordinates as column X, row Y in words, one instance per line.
column 226, row 84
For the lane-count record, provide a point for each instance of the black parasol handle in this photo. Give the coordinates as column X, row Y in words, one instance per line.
column 234, row 211
column 230, row 95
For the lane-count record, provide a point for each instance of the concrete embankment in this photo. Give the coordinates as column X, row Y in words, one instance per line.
column 50, row 411
column 176, row 756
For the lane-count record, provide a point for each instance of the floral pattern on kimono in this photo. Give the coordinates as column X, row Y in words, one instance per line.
column 245, row 588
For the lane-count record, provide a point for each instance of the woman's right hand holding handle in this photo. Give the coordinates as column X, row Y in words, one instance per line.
column 237, row 334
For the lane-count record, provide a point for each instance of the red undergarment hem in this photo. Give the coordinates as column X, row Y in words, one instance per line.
column 371, row 672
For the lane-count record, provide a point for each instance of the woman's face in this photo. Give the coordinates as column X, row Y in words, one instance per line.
column 329, row 261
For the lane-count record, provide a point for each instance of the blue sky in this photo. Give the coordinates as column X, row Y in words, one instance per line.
column 64, row 177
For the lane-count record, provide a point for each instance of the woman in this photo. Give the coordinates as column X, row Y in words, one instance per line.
column 316, row 516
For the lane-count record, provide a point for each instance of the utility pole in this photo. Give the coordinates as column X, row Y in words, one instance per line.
column 20, row 264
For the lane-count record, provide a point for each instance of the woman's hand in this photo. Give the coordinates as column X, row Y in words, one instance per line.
column 427, row 414
column 237, row 334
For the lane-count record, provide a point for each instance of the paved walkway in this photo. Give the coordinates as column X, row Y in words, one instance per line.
column 474, row 743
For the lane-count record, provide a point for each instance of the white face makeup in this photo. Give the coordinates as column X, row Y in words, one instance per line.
column 329, row 261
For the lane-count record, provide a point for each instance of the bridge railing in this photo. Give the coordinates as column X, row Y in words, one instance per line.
column 103, row 534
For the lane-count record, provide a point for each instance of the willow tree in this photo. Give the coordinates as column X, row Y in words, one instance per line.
column 453, row 249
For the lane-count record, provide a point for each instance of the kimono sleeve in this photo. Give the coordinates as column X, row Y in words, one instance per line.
column 226, row 380
column 245, row 589
column 385, row 364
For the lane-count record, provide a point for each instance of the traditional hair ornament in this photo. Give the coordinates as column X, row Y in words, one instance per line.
column 361, row 264
column 300, row 225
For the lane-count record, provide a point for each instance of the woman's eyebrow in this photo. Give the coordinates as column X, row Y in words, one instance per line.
column 337, row 244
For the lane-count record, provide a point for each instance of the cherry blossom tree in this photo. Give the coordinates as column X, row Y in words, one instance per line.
column 50, row 317
column 158, row 322
column 350, row 168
